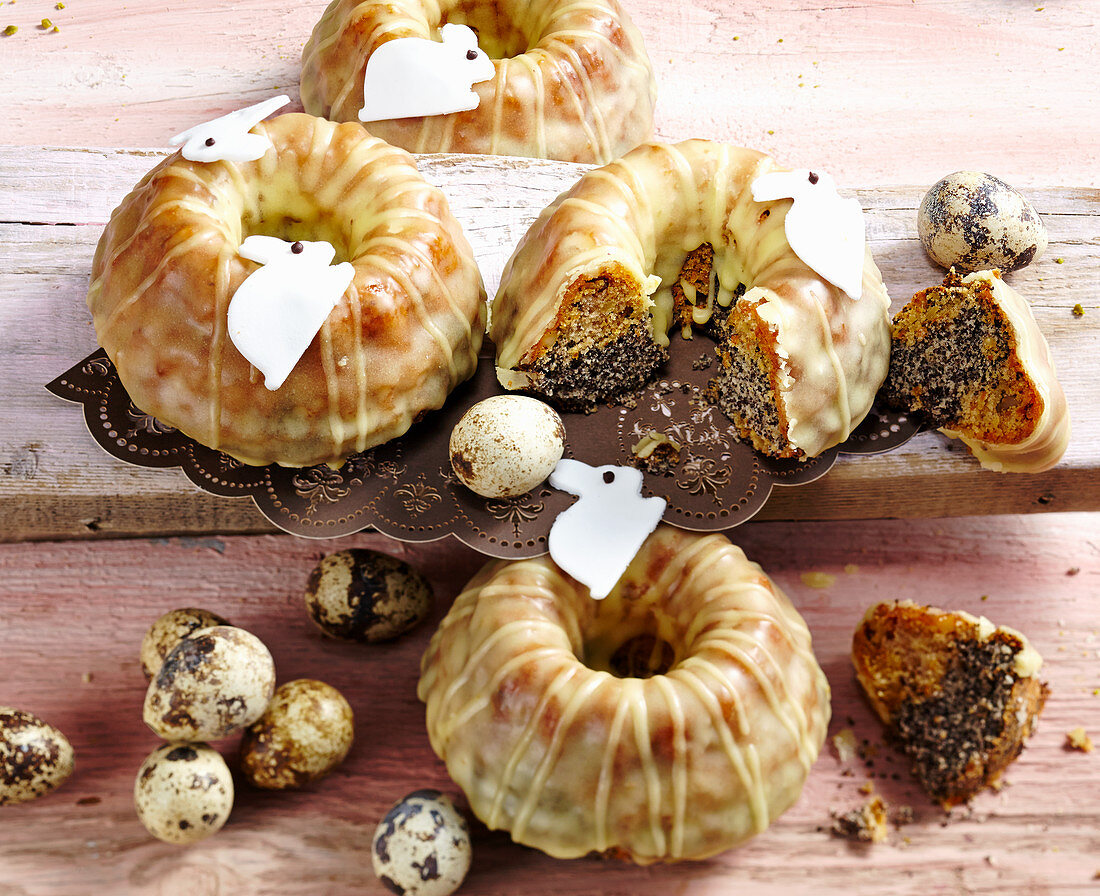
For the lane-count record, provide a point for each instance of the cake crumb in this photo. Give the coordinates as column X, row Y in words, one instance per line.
column 844, row 742
column 656, row 453
column 818, row 579
column 865, row 824
column 1078, row 739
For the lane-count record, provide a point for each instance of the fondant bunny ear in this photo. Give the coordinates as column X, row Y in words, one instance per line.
column 228, row 138
column 791, row 185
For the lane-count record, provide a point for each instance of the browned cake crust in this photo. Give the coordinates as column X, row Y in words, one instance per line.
column 572, row 79
column 668, row 240
column 959, row 695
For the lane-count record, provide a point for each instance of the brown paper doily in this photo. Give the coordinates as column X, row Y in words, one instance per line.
column 406, row 489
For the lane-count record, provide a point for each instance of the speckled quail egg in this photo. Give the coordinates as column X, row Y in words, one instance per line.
column 183, row 792
column 168, row 631
column 506, row 445
column 305, row 732
column 214, row 682
column 34, row 756
column 974, row 222
column 422, row 846
column 363, row 595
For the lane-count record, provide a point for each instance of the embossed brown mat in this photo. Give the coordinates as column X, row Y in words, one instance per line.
column 406, row 489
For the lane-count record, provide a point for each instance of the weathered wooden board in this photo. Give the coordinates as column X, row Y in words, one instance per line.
column 60, row 484
column 74, row 615
column 882, row 95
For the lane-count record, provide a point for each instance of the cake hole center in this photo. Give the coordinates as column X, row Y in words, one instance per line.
column 642, row 656
column 296, row 225
column 499, row 35
column 630, row 640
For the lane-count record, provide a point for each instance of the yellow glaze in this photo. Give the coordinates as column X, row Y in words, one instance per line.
column 571, row 759
column 641, row 215
column 1047, row 443
column 404, row 334
column 572, row 82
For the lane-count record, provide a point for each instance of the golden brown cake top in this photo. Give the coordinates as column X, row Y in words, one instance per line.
column 671, row 720
column 405, row 332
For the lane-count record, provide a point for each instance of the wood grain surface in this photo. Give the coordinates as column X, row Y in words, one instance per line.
column 71, row 655
column 66, row 486
column 887, row 96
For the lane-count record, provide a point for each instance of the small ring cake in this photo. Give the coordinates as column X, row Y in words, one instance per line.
column 404, row 333
column 572, row 80
column 672, row 720
column 969, row 357
column 671, row 235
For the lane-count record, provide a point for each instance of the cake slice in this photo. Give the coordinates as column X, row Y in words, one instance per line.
column 969, row 358
column 958, row 694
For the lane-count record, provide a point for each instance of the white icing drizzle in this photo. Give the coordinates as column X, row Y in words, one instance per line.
column 414, row 76
column 825, row 230
column 678, row 776
column 229, row 138
column 637, row 218
column 213, row 208
column 606, row 779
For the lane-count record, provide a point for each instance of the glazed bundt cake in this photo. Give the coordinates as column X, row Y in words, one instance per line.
column 572, row 79
column 958, row 694
column 969, row 358
column 672, row 720
column 670, row 236
column 404, row 334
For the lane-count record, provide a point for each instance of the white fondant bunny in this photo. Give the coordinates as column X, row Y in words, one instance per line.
column 274, row 315
column 228, row 138
column 825, row 230
column 414, row 76
column 595, row 539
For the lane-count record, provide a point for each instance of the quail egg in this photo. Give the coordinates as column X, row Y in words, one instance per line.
column 305, row 732
column 183, row 792
column 422, row 846
column 974, row 222
column 34, row 756
column 168, row 631
column 214, row 682
column 363, row 595
column 506, row 445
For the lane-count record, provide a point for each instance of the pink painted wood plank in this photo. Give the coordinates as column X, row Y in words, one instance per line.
column 887, row 93
column 74, row 615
